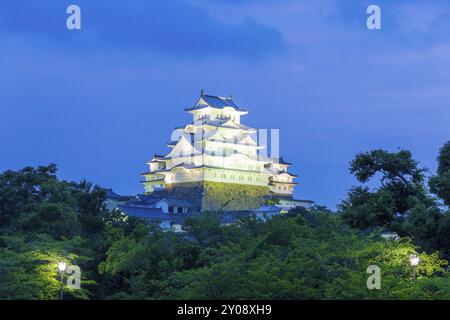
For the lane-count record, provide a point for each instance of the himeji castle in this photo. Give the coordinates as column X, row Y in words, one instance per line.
column 215, row 162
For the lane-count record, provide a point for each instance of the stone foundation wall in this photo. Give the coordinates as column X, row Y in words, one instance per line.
column 230, row 196
column 213, row 196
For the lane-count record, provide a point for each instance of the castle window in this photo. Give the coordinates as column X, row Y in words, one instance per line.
column 170, row 209
column 179, row 210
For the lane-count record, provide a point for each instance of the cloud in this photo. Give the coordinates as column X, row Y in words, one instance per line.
column 424, row 17
column 174, row 27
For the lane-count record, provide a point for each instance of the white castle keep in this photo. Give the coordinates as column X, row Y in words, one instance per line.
column 216, row 147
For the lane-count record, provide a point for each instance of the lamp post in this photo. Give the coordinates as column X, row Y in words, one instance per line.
column 414, row 260
column 62, row 267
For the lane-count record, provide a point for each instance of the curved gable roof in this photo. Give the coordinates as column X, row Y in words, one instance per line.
column 180, row 143
column 217, row 102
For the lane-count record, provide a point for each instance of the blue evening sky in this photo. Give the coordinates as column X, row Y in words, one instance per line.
column 101, row 101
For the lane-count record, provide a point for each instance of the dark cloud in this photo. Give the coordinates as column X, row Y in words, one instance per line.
column 174, row 26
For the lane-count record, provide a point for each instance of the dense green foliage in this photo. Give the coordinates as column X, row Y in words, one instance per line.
column 305, row 254
column 440, row 183
column 401, row 203
column 299, row 256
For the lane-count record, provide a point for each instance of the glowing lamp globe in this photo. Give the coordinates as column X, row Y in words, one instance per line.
column 414, row 260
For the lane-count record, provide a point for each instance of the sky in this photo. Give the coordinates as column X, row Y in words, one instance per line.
column 102, row 100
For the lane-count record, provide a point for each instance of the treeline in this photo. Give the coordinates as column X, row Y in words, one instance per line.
column 316, row 254
column 405, row 201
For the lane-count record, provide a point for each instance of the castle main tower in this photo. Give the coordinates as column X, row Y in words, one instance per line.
column 217, row 162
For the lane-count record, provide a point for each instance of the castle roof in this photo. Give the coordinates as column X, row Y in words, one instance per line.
column 219, row 123
column 189, row 166
column 143, row 212
column 227, row 123
column 287, row 198
column 182, row 165
column 110, row 194
column 217, row 102
column 281, row 161
column 177, row 202
column 274, row 182
column 289, row 173
column 151, row 213
column 146, row 200
column 266, row 208
column 156, row 158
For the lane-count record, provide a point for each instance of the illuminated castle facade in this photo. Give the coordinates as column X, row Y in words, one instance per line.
column 216, row 150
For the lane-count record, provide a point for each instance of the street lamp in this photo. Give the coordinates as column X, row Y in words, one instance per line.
column 62, row 267
column 414, row 260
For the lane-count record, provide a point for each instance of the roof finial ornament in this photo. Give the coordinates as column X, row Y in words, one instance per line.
column 202, row 92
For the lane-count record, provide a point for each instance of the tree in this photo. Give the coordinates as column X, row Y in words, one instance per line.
column 22, row 191
column 440, row 183
column 41, row 221
column 29, row 270
column 401, row 189
column 401, row 203
column 205, row 227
